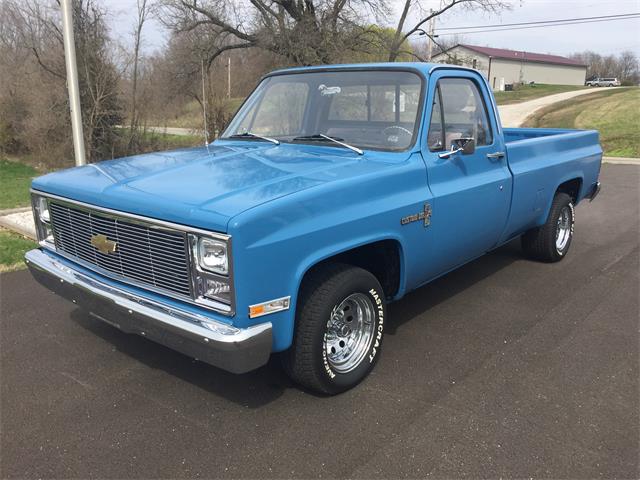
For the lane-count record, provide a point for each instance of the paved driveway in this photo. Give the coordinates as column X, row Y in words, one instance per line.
column 504, row 368
column 515, row 114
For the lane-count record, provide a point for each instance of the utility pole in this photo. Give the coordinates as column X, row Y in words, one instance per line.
column 492, row 84
column 432, row 29
column 72, row 82
column 228, row 77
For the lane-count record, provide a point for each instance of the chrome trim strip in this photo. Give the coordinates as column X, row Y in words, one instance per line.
column 227, row 309
column 445, row 66
column 594, row 192
column 147, row 221
column 281, row 309
column 212, row 341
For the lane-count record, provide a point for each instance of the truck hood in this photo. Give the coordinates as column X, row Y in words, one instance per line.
column 206, row 186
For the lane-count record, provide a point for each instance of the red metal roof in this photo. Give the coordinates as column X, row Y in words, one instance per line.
column 522, row 55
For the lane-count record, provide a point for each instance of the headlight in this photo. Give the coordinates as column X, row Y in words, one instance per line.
column 42, row 219
column 211, row 270
column 212, row 255
column 43, row 210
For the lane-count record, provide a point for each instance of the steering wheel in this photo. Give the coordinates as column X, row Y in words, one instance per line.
column 406, row 131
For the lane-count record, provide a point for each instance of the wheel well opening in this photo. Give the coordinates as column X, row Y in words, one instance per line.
column 571, row 188
column 381, row 258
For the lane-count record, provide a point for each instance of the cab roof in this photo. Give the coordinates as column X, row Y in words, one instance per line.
column 420, row 67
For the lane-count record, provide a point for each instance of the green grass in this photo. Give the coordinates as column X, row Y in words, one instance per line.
column 12, row 250
column 614, row 113
column 191, row 114
column 530, row 92
column 15, row 181
column 167, row 141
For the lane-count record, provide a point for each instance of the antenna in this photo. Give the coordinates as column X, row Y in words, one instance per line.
column 204, row 106
column 229, row 77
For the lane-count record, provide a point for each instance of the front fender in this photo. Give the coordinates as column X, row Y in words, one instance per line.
column 276, row 244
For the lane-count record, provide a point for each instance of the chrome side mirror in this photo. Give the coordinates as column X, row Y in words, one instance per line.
column 465, row 145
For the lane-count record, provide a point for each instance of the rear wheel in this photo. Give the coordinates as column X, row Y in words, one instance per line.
column 551, row 241
column 339, row 329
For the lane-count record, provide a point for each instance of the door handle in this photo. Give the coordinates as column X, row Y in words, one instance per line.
column 495, row 156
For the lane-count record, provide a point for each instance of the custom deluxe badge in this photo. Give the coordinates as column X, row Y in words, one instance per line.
column 424, row 216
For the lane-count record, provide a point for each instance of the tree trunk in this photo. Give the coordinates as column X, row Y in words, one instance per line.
column 397, row 38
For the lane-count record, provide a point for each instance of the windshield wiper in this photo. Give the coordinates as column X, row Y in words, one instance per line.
column 320, row 137
column 254, row 135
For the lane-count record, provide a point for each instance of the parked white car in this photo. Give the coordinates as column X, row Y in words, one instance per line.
column 603, row 82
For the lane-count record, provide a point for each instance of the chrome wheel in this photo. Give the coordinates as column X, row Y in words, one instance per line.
column 349, row 332
column 563, row 229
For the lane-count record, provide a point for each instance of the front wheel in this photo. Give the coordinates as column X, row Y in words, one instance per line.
column 339, row 329
column 551, row 241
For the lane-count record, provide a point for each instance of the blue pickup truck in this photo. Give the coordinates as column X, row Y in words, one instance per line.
column 334, row 190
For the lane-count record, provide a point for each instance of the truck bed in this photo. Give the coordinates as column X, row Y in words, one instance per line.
column 540, row 160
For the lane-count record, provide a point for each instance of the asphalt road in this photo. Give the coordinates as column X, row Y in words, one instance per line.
column 504, row 368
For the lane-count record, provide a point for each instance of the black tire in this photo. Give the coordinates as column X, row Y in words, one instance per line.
column 542, row 243
column 307, row 362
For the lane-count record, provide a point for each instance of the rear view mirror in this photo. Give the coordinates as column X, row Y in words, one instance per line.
column 465, row 145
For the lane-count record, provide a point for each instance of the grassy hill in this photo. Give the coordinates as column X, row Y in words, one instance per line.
column 614, row 113
column 530, row 92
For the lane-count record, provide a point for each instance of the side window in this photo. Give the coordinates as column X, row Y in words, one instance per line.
column 464, row 111
column 435, row 138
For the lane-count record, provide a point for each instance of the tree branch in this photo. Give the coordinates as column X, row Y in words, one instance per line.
column 45, row 67
column 219, row 51
column 217, row 21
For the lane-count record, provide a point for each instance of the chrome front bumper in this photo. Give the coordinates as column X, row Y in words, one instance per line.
column 593, row 193
column 216, row 343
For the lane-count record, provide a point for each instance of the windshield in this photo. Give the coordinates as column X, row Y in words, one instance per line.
column 368, row 109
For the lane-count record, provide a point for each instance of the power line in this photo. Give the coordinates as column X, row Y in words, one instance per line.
column 541, row 21
column 468, row 32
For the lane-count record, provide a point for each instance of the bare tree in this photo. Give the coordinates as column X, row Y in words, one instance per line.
column 143, row 12
column 628, row 68
column 303, row 31
column 44, row 120
column 625, row 66
column 421, row 49
column 404, row 32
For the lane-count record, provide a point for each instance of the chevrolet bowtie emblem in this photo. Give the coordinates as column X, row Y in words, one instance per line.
column 103, row 244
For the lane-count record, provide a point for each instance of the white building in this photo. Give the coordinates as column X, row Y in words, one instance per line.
column 502, row 66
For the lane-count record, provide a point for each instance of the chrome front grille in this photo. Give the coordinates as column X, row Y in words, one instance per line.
column 144, row 253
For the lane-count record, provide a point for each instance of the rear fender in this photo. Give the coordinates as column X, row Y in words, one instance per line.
column 551, row 195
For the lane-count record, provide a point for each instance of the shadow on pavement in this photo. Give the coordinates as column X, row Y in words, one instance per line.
column 254, row 389
column 442, row 289
column 266, row 384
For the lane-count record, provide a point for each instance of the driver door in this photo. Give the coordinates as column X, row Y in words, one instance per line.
column 472, row 192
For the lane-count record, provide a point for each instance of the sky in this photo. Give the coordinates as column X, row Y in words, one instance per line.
column 605, row 38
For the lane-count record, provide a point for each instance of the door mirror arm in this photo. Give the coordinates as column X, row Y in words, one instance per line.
column 465, row 145
column 449, row 153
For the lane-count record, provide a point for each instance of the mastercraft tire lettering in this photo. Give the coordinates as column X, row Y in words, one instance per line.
column 339, row 329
